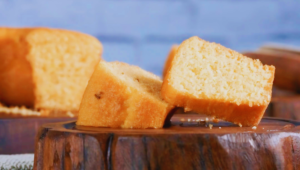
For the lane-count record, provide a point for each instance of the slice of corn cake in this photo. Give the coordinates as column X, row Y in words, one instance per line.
column 211, row 79
column 125, row 96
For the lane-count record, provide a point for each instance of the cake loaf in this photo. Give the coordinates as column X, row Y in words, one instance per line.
column 211, row 79
column 44, row 68
column 121, row 95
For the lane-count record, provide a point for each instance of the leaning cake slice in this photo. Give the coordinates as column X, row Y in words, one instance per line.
column 121, row 95
column 211, row 79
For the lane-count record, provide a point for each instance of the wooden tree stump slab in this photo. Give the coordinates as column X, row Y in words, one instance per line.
column 186, row 144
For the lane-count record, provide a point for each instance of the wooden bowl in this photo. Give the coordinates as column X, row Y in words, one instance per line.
column 274, row 144
column 17, row 134
column 287, row 69
column 285, row 101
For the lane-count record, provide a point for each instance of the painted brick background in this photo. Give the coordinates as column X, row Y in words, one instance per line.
column 141, row 32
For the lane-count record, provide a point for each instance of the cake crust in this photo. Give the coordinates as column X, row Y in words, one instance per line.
column 169, row 59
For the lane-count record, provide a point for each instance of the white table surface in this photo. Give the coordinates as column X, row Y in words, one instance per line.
column 19, row 161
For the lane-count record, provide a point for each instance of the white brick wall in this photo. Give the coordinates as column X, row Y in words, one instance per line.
column 141, row 32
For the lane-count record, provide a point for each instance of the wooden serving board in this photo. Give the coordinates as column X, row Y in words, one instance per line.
column 187, row 144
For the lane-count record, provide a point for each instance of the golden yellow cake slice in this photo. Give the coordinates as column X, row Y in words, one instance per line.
column 169, row 59
column 211, row 79
column 121, row 95
column 44, row 68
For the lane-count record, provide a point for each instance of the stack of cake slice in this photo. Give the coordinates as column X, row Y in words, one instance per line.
column 200, row 76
